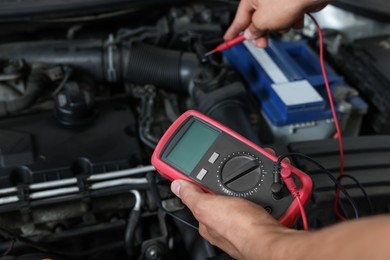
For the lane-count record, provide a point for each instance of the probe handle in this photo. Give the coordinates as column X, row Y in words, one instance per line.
column 227, row 44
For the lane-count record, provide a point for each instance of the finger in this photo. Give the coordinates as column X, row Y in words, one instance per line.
column 241, row 20
column 262, row 42
column 272, row 152
column 299, row 24
column 176, row 187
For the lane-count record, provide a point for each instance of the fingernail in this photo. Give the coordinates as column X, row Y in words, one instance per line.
column 175, row 188
column 261, row 45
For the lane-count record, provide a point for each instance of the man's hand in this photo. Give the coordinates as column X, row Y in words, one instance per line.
column 258, row 17
column 237, row 226
column 244, row 230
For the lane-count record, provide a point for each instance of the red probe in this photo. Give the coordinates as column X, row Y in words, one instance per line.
column 227, row 44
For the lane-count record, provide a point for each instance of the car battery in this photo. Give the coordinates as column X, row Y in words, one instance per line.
column 287, row 81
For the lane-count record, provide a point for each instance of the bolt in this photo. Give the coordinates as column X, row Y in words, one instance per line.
column 206, row 16
column 153, row 252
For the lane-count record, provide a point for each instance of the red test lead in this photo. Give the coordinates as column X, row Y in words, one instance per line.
column 227, row 44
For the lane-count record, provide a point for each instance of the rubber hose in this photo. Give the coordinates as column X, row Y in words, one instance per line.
column 130, row 229
column 229, row 105
column 137, row 63
column 170, row 69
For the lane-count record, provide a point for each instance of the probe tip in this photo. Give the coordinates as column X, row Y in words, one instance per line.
column 209, row 53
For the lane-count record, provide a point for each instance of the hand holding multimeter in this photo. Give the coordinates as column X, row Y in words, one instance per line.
column 199, row 149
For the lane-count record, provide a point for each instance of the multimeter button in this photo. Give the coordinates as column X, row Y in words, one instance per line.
column 213, row 157
column 241, row 173
column 201, row 174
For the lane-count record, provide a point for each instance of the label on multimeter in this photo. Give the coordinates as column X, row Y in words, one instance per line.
column 201, row 150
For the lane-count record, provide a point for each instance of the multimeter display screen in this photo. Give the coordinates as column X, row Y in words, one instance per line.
column 192, row 145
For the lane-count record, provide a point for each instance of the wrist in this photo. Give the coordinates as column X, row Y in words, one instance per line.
column 282, row 243
column 292, row 245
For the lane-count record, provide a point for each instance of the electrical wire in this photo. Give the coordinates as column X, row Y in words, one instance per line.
column 68, row 73
column 337, row 183
column 361, row 188
column 303, row 213
column 9, row 248
column 332, row 106
column 292, row 187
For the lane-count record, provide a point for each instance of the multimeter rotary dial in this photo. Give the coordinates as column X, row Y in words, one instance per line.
column 240, row 174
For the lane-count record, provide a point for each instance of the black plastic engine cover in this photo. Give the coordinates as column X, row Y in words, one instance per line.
column 366, row 159
column 36, row 148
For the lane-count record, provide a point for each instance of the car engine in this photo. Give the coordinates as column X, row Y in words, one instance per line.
column 87, row 88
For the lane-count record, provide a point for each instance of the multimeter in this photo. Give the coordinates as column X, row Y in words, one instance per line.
column 201, row 150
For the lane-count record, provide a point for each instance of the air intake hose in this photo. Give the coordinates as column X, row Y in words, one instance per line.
column 109, row 62
column 147, row 64
column 228, row 105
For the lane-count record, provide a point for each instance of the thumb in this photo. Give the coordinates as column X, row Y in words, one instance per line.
column 188, row 192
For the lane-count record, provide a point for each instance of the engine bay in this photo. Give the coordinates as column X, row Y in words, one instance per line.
column 85, row 97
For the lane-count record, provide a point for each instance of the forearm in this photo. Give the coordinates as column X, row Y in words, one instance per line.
column 361, row 239
column 246, row 231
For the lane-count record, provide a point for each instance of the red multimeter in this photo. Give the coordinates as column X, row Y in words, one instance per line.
column 201, row 150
